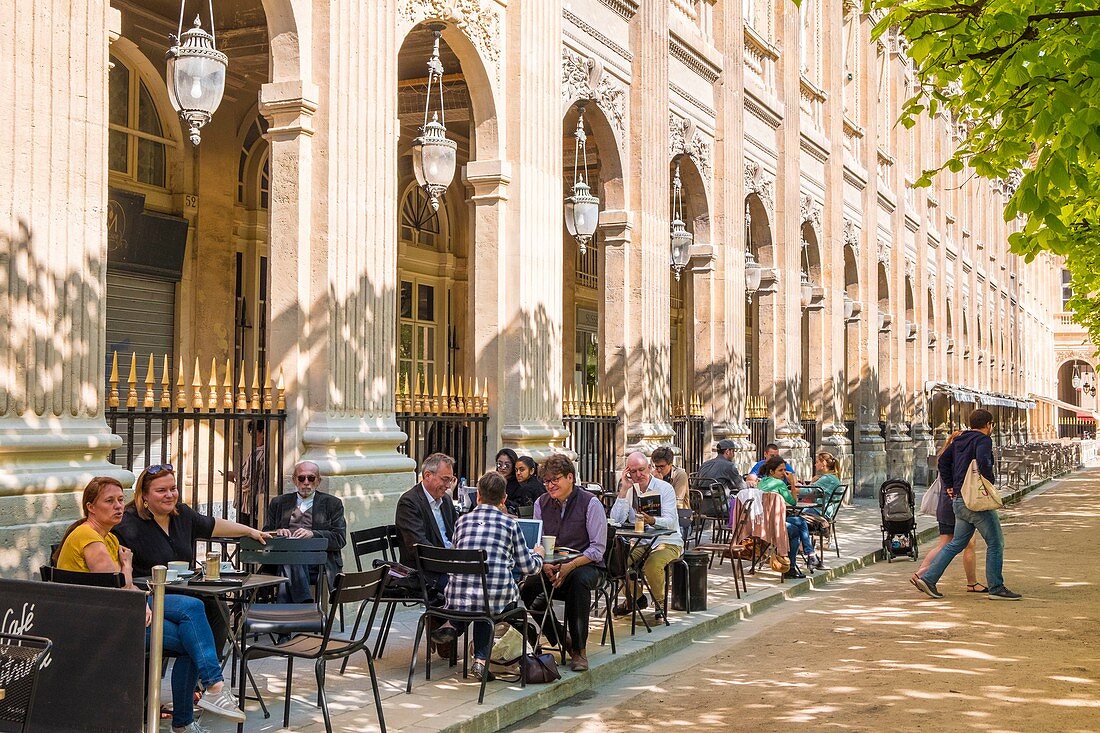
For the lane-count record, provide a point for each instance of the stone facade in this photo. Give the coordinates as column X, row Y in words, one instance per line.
column 782, row 121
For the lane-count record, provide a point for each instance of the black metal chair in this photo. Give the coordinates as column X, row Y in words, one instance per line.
column 829, row 510
column 440, row 561
column 21, row 659
column 384, row 541
column 714, row 506
column 287, row 618
column 365, row 587
column 51, row 574
column 735, row 551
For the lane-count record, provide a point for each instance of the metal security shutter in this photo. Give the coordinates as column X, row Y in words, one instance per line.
column 140, row 319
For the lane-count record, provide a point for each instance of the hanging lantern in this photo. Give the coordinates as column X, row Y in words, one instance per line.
column 195, row 75
column 433, row 154
column 582, row 209
column 754, row 273
column 679, row 237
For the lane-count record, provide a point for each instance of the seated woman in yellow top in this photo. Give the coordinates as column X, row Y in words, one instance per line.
column 90, row 547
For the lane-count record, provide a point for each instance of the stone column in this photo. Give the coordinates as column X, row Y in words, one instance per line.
column 615, row 231
column 487, row 182
column 334, row 255
column 786, row 319
column 834, row 435
column 729, row 236
column 647, row 272
column 870, row 455
column 531, row 399
column 53, row 259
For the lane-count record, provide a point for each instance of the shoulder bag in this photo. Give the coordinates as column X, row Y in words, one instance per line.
column 931, row 499
column 978, row 492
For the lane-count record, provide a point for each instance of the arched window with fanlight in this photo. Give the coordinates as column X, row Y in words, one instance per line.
column 253, row 167
column 137, row 143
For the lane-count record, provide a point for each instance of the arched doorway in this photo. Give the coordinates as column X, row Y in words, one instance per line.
column 1078, row 385
column 682, row 312
column 853, row 349
column 761, row 308
column 813, row 336
column 885, row 345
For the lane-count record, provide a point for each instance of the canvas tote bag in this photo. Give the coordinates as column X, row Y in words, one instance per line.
column 978, row 492
column 931, row 499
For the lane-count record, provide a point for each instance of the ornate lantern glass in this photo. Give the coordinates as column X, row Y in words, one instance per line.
column 582, row 209
column 434, row 156
column 679, row 237
column 195, row 75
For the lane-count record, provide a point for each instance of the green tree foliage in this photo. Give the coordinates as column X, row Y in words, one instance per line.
column 1023, row 78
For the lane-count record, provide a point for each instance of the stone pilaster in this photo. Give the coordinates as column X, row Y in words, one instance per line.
column 334, row 298
column 615, row 230
column 53, row 261
column 786, row 321
column 647, row 271
column 729, row 227
column 487, row 184
column 834, row 435
column 531, row 400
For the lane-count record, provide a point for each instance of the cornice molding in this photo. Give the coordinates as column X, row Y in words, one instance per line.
column 594, row 33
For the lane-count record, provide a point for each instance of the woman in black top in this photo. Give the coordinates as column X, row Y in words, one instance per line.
column 528, row 487
column 506, row 467
column 159, row 529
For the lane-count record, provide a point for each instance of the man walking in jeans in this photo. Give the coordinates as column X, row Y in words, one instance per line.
column 973, row 444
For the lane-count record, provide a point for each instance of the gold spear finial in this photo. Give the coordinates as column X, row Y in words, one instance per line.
column 254, row 392
column 165, row 386
column 150, row 397
column 280, row 387
column 242, row 400
column 266, row 404
column 131, row 382
column 181, row 388
column 196, row 386
column 227, row 386
column 112, row 396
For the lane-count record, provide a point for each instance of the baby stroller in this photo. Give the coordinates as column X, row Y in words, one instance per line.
column 899, row 523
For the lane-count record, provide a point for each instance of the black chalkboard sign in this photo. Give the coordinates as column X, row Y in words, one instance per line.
column 93, row 681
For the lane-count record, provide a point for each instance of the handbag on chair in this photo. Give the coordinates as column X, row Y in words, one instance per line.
column 978, row 492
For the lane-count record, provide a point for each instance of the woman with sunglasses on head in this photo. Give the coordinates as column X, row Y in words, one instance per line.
column 159, row 529
column 90, row 547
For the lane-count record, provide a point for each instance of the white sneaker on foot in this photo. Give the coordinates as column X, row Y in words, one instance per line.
column 222, row 704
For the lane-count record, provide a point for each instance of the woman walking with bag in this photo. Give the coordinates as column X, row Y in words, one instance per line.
column 945, row 518
column 972, row 446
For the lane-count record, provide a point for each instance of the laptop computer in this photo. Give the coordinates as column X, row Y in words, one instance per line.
column 532, row 531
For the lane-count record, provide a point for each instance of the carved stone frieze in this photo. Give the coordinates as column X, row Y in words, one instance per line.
column 851, row 237
column 810, row 213
column 884, row 252
column 684, row 138
column 479, row 23
column 757, row 181
column 584, row 78
column 910, row 267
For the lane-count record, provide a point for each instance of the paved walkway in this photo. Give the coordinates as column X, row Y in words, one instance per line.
column 449, row 703
column 870, row 653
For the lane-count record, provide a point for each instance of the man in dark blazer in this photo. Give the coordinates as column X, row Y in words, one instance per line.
column 425, row 513
column 303, row 514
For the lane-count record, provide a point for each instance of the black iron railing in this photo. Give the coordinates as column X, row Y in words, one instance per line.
column 690, row 436
column 224, row 444
column 809, row 429
column 450, row 420
column 593, row 429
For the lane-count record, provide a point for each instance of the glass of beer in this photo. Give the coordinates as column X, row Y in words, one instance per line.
column 213, row 565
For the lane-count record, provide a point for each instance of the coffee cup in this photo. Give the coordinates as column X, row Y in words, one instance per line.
column 171, row 575
column 179, row 567
column 548, row 541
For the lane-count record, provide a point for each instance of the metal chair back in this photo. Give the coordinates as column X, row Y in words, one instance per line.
column 21, row 659
column 51, row 574
column 284, row 551
column 382, row 540
column 360, row 587
column 450, row 562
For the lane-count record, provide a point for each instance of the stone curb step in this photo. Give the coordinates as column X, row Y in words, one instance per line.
column 495, row 718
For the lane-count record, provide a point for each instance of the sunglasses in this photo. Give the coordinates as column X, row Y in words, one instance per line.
column 306, row 478
column 159, row 468
column 503, row 464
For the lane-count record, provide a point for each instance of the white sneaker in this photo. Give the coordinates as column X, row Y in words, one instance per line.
column 222, row 704
column 191, row 728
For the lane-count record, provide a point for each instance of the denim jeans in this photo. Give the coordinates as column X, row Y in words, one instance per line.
column 988, row 524
column 187, row 633
column 799, row 534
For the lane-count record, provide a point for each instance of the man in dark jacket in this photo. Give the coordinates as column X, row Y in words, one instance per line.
column 303, row 514
column 425, row 513
column 972, row 445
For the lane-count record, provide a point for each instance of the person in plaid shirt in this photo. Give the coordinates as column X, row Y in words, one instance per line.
column 488, row 527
